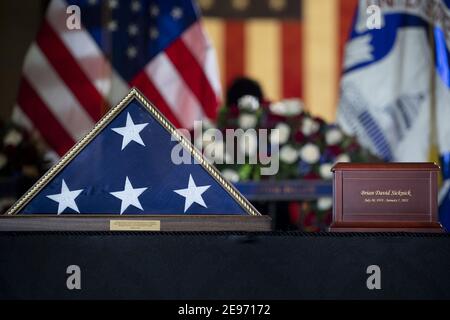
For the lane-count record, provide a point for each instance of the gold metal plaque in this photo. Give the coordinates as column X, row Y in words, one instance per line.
column 134, row 225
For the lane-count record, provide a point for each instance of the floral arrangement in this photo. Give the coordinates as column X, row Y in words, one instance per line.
column 308, row 146
column 308, row 149
column 22, row 161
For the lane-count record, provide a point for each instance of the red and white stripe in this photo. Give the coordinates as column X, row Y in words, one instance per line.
column 68, row 83
column 289, row 58
column 288, row 50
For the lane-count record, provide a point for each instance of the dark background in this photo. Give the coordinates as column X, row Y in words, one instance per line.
column 19, row 23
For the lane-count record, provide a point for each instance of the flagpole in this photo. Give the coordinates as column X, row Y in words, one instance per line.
column 433, row 150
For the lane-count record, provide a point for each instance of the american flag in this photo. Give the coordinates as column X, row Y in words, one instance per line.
column 72, row 76
column 125, row 165
column 293, row 48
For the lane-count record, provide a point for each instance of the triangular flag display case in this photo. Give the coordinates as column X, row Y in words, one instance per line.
column 121, row 176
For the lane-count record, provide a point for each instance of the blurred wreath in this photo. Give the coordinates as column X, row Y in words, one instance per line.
column 23, row 159
column 308, row 146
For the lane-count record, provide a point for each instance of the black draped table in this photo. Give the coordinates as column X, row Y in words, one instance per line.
column 224, row 265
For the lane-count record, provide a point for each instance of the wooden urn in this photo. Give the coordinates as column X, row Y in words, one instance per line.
column 385, row 197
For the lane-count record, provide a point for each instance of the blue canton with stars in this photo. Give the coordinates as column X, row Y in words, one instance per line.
column 127, row 169
column 131, row 33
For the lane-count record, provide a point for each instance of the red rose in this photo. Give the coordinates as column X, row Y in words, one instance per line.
column 294, row 212
column 334, row 150
column 316, row 138
column 299, row 136
column 310, row 222
column 273, row 119
column 353, row 147
column 311, row 176
column 327, row 219
column 233, row 111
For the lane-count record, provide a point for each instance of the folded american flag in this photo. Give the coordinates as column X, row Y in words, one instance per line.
column 72, row 76
column 125, row 166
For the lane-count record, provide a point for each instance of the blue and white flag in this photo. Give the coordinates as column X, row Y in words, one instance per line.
column 394, row 75
column 126, row 165
column 396, row 78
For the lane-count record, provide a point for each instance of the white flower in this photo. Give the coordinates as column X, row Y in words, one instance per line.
column 324, row 203
column 287, row 107
column 230, row 175
column 249, row 103
column 288, row 154
column 51, row 157
column 333, row 136
column 247, row 121
column 343, row 157
column 13, row 138
column 3, row 160
column 310, row 153
column 309, row 126
column 283, row 134
column 325, row 170
column 293, row 106
column 248, row 143
column 277, row 108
